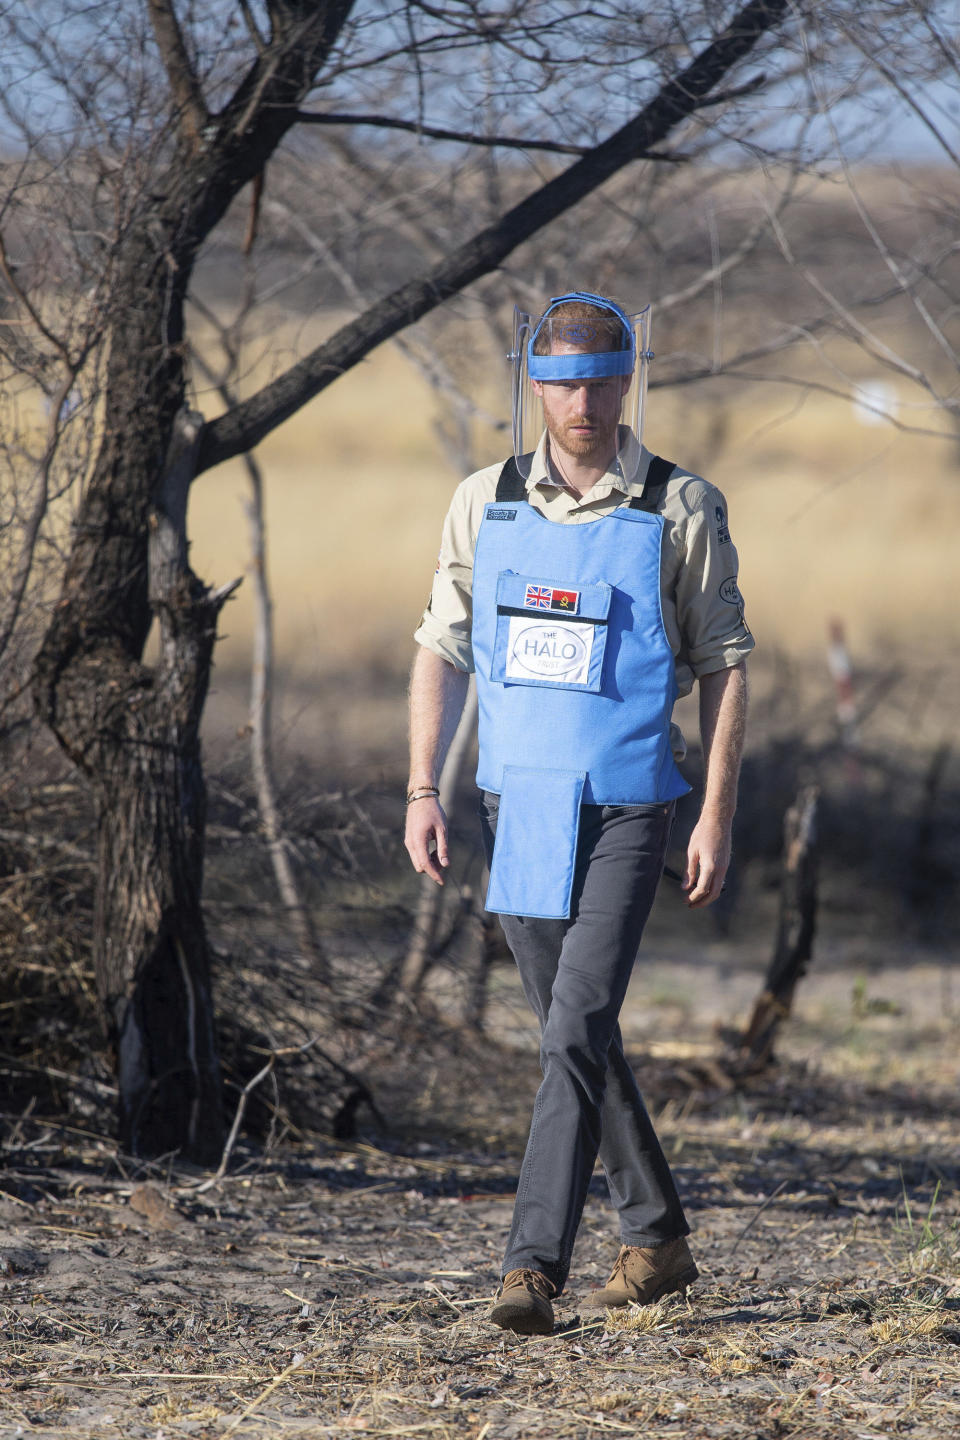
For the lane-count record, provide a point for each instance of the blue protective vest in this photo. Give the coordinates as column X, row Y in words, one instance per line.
column 576, row 685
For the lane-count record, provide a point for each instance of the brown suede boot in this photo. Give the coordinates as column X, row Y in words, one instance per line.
column 641, row 1276
column 523, row 1303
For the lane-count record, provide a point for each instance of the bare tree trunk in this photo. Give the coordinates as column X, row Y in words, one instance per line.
column 930, row 877
column 794, row 943
column 150, row 839
column 135, row 732
column 131, row 729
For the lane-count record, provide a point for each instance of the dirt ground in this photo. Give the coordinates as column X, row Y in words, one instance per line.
column 328, row 1290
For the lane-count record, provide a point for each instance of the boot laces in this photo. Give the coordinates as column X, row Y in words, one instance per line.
column 620, row 1264
column 638, row 1253
column 529, row 1280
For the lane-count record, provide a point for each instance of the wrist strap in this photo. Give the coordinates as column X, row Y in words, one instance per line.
column 421, row 792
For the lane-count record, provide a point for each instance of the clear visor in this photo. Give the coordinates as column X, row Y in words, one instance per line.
column 561, row 351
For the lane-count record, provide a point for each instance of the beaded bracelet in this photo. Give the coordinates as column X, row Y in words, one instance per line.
column 422, row 792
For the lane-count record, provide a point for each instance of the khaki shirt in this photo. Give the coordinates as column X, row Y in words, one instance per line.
column 701, row 604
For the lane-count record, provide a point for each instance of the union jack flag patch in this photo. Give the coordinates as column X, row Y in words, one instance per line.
column 547, row 597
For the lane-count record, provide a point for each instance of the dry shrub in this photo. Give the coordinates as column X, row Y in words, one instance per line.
column 728, row 1359
column 907, row 1327
column 54, row 1054
column 640, row 1319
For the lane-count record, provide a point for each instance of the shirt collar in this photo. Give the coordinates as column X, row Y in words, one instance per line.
column 626, row 473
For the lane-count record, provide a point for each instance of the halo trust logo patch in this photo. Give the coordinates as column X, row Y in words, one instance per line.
column 575, row 332
column 543, row 651
column 730, row 592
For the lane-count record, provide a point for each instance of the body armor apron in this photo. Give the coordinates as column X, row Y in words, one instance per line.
column 576, row 686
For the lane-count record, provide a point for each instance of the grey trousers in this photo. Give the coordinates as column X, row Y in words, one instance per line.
column 575, row 974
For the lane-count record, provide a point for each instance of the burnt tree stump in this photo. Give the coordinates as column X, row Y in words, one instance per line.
column 795, row 931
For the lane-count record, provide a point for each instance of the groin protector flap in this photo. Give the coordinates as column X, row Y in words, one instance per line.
column 536, row 844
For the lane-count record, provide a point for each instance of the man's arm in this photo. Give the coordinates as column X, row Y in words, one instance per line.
column 723, row 716
column 437, row 694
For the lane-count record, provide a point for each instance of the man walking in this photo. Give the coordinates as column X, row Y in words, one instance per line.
column 588, row 583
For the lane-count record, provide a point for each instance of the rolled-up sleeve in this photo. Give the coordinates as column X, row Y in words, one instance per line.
column 710, row 607
column 446, row 624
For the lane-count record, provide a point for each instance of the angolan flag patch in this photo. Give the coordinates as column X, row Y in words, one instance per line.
column 545, row 597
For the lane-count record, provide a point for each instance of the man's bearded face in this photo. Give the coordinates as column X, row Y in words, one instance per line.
column 581, row 416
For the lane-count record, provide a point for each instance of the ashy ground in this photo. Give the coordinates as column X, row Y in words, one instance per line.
column 326, row 1290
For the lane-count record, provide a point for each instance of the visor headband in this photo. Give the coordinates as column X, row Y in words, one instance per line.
column 589, row 365
column 582, row 365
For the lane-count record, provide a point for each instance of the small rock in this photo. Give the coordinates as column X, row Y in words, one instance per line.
column 18, row 1260
column 150, row 1202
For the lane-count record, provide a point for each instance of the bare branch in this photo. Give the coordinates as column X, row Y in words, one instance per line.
column 184, row 85
column 254, row 220
column 921, row 112
column 420, row 356
column 733, row 371
column 896, row 271
column 23, row 299
column 250, row 422
column 433, row 132
column 255, row 120
column 871, row 342
column 253, row 30
column 261, row 730
column 738, row 92
column 717, row 271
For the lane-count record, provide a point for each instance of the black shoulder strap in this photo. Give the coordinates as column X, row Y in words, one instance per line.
column 658, row 474
column 511, row 484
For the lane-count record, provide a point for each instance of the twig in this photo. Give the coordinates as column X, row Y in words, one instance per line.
column 46, row 842
column 22, row 298
column 296, row 1363
column 15, row 1067
column 245, row 1094
column 760, row 1209
column 261, row 741
column 30, row 1382
column 435, row 1290
column 433, row 132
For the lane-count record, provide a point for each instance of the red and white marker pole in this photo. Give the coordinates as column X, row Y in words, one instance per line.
column 841, row 670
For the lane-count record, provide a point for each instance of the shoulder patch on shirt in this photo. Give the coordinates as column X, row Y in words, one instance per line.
column 723, row 532
column 730, row 592
column 501, row 514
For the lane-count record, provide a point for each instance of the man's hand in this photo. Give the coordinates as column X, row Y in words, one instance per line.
column 708, row 856
column 426, row 837
column 437, row 692
column 723, row 713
